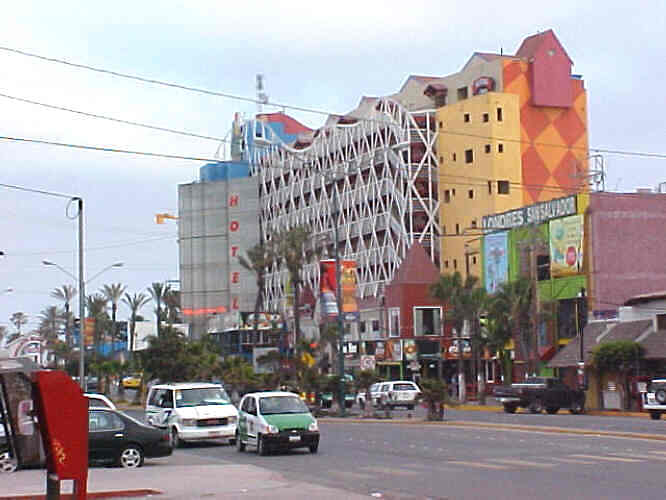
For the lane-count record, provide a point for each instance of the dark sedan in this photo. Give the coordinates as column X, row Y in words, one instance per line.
column 114, row 437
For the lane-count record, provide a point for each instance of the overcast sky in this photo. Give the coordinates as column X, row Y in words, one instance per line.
column 321, row 55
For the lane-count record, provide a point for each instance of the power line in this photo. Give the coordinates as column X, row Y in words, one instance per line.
column 107, row 149
column 39, row 191
column 110, row 118
column 302, row 108
column 91, row 249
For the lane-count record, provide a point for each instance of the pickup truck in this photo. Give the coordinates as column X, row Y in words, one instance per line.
column 654, row 399
column 539, row 393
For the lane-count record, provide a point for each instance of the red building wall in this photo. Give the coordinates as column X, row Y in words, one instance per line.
column 627, row 238
column 406, row 297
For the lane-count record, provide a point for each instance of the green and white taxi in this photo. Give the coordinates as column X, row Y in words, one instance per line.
column 275, row 420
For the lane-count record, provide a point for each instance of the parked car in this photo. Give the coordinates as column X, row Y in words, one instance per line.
column 374, row 394
column 276, row 420
column 117, row 438
column 193, row 411
column 99, row 401
column 397, row 393
column 539, row 393
column 654, row 399
column 326, row 398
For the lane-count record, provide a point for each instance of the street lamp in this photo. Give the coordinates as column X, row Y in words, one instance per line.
column 82, row 284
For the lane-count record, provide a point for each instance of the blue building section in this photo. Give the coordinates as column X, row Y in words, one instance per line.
column 224, row 171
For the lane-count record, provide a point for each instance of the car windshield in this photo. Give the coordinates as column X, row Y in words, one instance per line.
column 403, row 387
column 201, row 397
column 272, row 405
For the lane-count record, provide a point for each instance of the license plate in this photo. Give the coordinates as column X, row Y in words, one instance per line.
column 294, row 439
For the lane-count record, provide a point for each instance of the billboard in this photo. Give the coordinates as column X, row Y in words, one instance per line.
column 495, row 261
column 566, row 246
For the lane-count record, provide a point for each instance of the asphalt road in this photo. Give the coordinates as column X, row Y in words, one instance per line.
column 410, row 460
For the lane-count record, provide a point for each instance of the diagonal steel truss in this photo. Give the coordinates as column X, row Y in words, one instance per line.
column 374, row 177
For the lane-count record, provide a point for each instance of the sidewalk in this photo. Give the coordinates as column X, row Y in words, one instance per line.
column 165, row 481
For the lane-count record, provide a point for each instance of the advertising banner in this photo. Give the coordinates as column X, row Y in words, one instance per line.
column 327, row 289
column 348, row 290
column 566, row 246
column 495, row 262
column 265, row 321
column 88, row 331
column 410, row 350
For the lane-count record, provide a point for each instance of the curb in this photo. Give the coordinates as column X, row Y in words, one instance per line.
column 144, row 492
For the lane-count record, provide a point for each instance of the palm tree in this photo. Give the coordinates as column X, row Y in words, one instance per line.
column 19, row 319
column 66, row 293
column 135, row 303
column 49, row 328
column 113, row 294
column 259, row 259
column 3, row 332
column 96, row 305
column 292, row 249
column 172, row 303
column 157, row 291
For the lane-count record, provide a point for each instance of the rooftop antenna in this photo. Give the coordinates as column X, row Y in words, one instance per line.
column 262, row 97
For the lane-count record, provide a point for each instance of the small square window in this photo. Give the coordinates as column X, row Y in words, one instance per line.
column 469, row 156
column 474, row 259
column 486, row 148
column 503, row 187
column 447, row 196
column 466, row 117
column 462, row 93
column 470, row 194
column 457, row 228
column 490, row 187
column 455, row 264
column 499, row 114
column 441, row 124
column 441, row 159
column 446, row 264
column 500, row 148
column 474, row 223
column 453, row 157
column 486, row 117
column 453, row 192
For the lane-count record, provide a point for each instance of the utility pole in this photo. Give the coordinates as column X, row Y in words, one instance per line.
column 580, row 330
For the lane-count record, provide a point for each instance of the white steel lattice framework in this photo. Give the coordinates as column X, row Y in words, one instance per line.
column 383, row 167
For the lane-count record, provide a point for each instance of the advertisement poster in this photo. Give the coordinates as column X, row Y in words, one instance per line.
column 410, row 350
column 495, row 267
column 566, row 246
column 348, row 290
column 379, row 351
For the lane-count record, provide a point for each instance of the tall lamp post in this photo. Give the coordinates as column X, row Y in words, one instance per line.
column 82, row 303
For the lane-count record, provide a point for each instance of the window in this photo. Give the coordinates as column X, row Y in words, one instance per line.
column 455, row 264
column 441, row 124
column 375, row 325
column 426, row 321
column 543, row 267
column 486, row 117
column 446, row 264
column 500, row 148
column 474, row 259
column 394, row 322
column 453, row 192
column 474, row 223
column 470, row 194
column 661, row 321
column 361, row 326
column 466, row 117
column 457, row 228
column 502, row 187
column 453, row 157
column 499, row 114
column 443, row 229
column 447, row 196
column 490, row 187
column 104, row 421
column 469, row 156
column 462, row 93
column 486, row 148
column 441, row 159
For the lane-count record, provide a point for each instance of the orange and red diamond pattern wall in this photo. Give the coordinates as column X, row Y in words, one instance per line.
column 554, row 145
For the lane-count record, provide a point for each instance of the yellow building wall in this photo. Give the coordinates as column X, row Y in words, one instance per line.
column 469, row 190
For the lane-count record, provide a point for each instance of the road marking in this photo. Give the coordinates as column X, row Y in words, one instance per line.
column 511, row 461
column 392, row 471
column 352, row 475
column 477, row 464
column 608, row 459
column 571, row 461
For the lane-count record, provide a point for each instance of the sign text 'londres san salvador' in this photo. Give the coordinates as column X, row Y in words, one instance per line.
column 532, row 214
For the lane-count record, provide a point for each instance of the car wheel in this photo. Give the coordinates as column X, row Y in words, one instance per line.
column 314, row 448
column 655, row 415
column 510, row 408
column 660, row 396
column 240, row 445
column 261, row 446
column 131, row 457
column 176, row 442
column 552, row 410
column 536, row 406
column 577, row 408
column 7, row 463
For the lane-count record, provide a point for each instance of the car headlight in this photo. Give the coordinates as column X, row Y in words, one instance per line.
column 188, row 422
column 232, row 420
column 313, row 427
column 271, row 429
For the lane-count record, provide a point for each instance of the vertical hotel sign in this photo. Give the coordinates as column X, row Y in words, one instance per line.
column 235, row 275
column 566, row 246
column 328, row 289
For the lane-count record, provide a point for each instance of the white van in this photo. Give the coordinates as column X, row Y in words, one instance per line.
column 193, row 411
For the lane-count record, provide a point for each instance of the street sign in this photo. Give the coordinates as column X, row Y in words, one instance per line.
column 415, row 366
column 367, row 362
